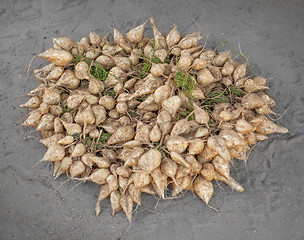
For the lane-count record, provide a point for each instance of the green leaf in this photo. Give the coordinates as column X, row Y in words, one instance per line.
column 88, row 141
column 77, row 58
column 186, row 82
column 156, row 60
column 104, row 137
column 217, row 96
column 66, row 109
column 96, row 70
column 99, row 72
column 110, row 92
column 133, row 114
column 143, row 69
column 76, row 136
column 237, row 91
column 142, row 98
column 184, row 114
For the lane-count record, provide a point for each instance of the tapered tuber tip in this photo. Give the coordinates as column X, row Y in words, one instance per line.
column 97, row 208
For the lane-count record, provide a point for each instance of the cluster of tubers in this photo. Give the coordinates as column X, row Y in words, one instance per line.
column 139, row 115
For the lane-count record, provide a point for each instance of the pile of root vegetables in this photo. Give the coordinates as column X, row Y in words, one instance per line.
column 159, row 115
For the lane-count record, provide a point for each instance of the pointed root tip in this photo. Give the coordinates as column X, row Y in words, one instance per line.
column 97, row 208
column 129, row 217
column 213, row 208
column 284, row 130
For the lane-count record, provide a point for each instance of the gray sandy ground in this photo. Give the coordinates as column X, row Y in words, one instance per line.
column 271, row 35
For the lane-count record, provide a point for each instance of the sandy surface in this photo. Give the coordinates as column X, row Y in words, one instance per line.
column 271, row 34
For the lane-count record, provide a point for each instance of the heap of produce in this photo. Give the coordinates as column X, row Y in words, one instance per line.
column 137, row 115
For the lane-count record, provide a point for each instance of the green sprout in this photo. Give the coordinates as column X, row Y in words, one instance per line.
column 186, row 82
column 207, row 108
column 66, row 109
column 88, row 141
column 187, row 113
column 212, row 98
column 110, row 92
column 146, row 67
column 191, row 117
column 104, row 137
column 142, row 97
column 155, row 59
column 133, row 114
column 143, row 69
column 216, row 96
column 156, row 145
column 236, row 91
column 77, row 58
column 98, row 72
column 211, row 122
column 76, row 136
